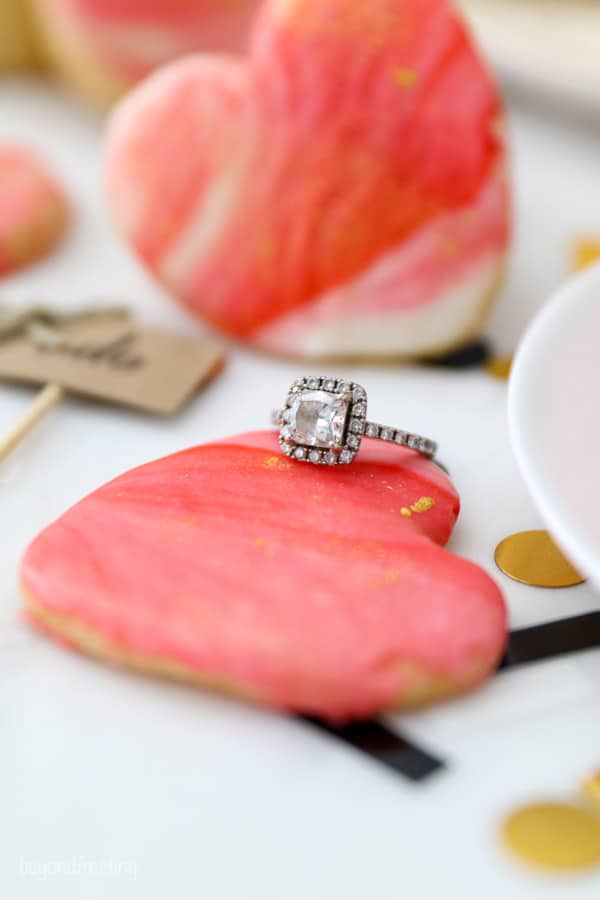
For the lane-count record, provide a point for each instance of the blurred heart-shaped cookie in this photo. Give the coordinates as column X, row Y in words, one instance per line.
column 341, row 192
column 306, row 588
column 33, row 208
column 102, row 48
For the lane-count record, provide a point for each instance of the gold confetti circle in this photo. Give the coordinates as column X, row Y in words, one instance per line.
column 532, row 557
column 499, row 366
column 591, row 787
column 554, row 835
column 586, row 251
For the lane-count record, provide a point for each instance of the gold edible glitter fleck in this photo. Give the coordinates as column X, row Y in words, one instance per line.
column 405, row 78
column 392, row 576
column 277, row 462
column 423, row 504
column 591, row 787
column 586, row 251
column 554, row 836
column 499, row 367
column 532, row 557
column 449, row 247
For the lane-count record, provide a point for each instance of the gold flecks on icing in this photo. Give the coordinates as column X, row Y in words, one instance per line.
column 404, row 77
column 499, row 367
column 260, row 543
column 586, row 250
column 532, row 557
column 423, row 504
column 189, row 521
column 392, row 576
column 449, row 247
column 342, row 549
column 402, row 567
column 554, row 836
column 277, row 462
column 173, row 526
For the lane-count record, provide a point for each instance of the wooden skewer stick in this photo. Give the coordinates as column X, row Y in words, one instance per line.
column 47, row 398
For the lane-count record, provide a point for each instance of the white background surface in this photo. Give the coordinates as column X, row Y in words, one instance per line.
column 554, row 49
column 193, row 795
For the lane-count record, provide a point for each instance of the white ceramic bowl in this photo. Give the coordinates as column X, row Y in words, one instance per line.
column 554, row 417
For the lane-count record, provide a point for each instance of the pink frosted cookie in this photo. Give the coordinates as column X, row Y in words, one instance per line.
column 342, row 192
column 102, row 47
column 33, row 209
column 306, row 588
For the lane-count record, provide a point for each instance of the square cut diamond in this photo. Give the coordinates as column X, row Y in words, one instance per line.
column 318, row 419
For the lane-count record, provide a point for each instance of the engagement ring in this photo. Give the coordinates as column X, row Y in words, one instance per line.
column 325, row 419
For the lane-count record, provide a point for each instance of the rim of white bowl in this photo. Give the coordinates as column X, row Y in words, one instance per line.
column 581, row 289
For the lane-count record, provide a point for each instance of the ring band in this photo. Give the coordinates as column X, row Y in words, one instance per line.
column 325, row 419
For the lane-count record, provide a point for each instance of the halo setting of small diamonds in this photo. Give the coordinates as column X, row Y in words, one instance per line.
column 324, row 422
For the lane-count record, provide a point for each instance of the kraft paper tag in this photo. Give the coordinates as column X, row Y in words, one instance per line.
column 112, row 360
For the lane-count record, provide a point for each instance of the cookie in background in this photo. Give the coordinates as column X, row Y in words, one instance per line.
column 34, row 210
column 17, row 42
column 101, row 49
column 341, row 192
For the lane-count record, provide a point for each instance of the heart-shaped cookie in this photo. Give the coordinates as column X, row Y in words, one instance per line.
column 33, row 209
column 102, row 48
column 303, row 587
column 342, row 192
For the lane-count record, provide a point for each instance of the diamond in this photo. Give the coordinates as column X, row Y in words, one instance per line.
column 318, row 419
column 329, row 384
column 353, row 441
column 287, row 449
column 313, row 383
column 387, row 434
column 346, row 456
column 359, row 410
column 299, row 452
column 343, row 387
column 356, row 426
column 413, row 442
column 331, row 458
column 401, row 437
column 372, row 430
column 314, row 456
column 359, row 393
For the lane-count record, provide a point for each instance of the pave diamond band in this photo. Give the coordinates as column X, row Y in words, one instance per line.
column 402, row 438
column 325, row 419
